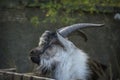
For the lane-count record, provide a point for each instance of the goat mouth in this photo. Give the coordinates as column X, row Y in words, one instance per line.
column 35, row 59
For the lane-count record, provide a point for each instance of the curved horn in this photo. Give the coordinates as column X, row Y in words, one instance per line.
column 69, row 29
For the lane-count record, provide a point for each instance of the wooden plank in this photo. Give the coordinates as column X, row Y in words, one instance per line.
column 27, row 77
column 1, row 77
column 41, row 78
column 20, row 76
column 9, row 69
column 30, row 77
column 8, row 76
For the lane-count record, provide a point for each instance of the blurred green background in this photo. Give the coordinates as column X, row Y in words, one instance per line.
column 23, row 21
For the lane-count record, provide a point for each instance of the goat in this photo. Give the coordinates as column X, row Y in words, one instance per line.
column 58, row 55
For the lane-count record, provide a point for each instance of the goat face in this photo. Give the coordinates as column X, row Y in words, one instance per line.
column 52, row 43
column 48, row 51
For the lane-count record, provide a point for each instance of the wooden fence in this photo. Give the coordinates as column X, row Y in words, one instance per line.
column 11, row 74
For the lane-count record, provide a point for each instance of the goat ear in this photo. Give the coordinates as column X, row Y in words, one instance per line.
column 63, row 41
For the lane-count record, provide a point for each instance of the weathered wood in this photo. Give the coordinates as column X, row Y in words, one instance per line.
column 19, row 76
column 1, row 77
column 27, row 77
column 9, row 69
column 8, row 76
column 41, row 78
column 30, row 77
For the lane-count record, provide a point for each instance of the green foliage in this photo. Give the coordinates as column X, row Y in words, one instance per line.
column 35, row 21
column 65, row 9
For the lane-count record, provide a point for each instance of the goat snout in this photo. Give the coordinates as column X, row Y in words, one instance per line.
column 34, row 56
column 34, row 52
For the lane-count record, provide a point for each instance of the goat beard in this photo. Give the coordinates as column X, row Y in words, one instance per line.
column 46, row 68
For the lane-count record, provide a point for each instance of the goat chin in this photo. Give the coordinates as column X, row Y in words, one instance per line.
column 72, row 65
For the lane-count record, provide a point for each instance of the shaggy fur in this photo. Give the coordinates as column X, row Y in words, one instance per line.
column 61, row 57
column 66, row 62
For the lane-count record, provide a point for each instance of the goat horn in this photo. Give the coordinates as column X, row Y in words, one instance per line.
column 69, row 29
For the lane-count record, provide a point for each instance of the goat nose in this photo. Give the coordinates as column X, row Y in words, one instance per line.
column 33, row 52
